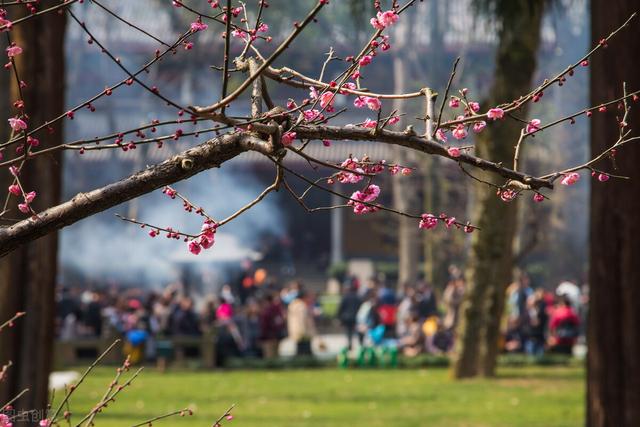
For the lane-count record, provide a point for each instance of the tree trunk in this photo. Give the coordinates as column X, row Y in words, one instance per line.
column 491, row 261
column 613, row 361
column 28, row 275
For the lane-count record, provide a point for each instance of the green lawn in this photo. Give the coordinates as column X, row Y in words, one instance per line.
column 526, row 396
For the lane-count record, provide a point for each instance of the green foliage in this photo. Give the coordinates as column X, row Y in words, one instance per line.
column 531, row 396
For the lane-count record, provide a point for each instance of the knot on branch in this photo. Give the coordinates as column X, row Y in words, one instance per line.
column 517, row 185
column 186, row 164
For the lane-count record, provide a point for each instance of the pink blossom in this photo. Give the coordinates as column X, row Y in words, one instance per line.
column 394, row 120
column 14, row 170
column 5, row 24
column 198, row 26
column 194, row 247
column 428, row 221
column 475, row 107
column 310, row 115
column 30, row 196
column 495, row 113
column 5, row 421
column 441, row 135
column 44, row 423
column 347, row 86
column 263, row 28
column 368, row 123
column 23, row 207
column 359, row 102
column 507, row 195
column 376, row 24
column 368, row 195
column 479, row 126
column 450, row 221
column 373, row 103
column 288, row 137
column 205, row 241
column 17, row 124
column 538, row 198
column 326, row 100
column 460, row 132
column 570, row 179
column 453, row 151
column 533, row 126
column 603, row 177
column 13, row 50
column 15, row 189
column 407, row 171
column 365, row 60
column 387, row 18
column 238, row 33
column 326, row 143
column 468, row 228
column 454, row 102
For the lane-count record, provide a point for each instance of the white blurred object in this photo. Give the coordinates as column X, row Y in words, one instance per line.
column 571, row 291
column 58, row 380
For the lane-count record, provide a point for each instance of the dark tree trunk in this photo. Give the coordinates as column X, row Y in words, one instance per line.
column 613, row 364
column 28, row 274
column 491, row 261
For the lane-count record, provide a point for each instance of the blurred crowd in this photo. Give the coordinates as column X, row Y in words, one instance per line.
column 419, row 319
column 252, row 315
column 248, row 318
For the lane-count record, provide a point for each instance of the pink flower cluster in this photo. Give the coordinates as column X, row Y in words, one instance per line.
column 205, row 240
column 288, row 137
column 17, row 124
column 373, row 104
column 348, row 177
column 5, row 421
column 384, row 19
column 13, row 50
column 429, row 221
column 29, row 197
column 570, row 178
column 360, row 200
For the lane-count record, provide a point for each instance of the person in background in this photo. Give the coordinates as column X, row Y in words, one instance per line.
column 452, row 299
column 405, row 308
column 426, row 303
column 184, row 320
column 208, row 313
column 301, row 324
column 536, row 326
column 564, row 327
column 364, row 316
column 249, row 326
column 348, row 311
column 272, row 326
column 412, row 342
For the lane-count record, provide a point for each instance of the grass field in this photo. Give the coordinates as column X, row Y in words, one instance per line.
column 525, row 396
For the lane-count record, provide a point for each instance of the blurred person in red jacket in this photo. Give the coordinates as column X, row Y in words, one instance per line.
column 564, row 327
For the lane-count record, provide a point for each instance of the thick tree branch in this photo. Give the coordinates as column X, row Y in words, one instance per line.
column 417, row 143
column 205, row 156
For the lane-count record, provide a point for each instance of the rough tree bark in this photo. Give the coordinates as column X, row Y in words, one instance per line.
column 613, row 362
column 491, row 261
column 28, row 275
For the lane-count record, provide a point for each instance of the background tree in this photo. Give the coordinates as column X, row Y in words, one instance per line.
column 613, row 337
column 28, row 274
column 491, row 260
